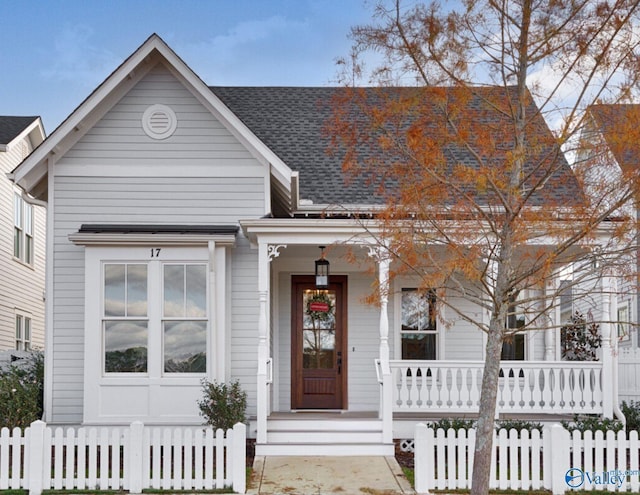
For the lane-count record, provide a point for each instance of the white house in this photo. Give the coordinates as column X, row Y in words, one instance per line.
column 22, row 241
column 185, row 223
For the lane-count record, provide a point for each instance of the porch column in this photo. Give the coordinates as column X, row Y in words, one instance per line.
column 386, row 393
column 263, row 345
column 609, row 343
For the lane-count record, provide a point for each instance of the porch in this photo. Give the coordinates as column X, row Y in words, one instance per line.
column 385, row 393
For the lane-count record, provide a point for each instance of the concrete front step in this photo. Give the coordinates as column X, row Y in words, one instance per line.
column 312, row 424
column 317, row 449
column 312, row 434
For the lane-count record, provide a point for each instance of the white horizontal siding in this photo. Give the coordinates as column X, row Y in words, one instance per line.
column 116, row 174
column 462, row 340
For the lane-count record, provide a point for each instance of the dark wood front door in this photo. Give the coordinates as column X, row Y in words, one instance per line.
column 318, row 340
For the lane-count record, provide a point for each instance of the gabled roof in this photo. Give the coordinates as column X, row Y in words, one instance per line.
column 31, row 173
column 12, row 128
column 619, row 125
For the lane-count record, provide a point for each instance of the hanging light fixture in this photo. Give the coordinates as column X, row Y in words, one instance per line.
column 322, row 271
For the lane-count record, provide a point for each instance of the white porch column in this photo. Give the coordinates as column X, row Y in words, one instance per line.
column 386, row 393
column 266, row 253
column 263, row 344
column 609, row 344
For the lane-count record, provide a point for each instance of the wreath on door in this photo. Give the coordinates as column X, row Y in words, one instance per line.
column 318, row 299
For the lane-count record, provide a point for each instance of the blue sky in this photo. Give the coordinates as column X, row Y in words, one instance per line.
column 54, row 53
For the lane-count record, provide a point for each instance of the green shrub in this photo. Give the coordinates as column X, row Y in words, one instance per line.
column 455, row 423
column 21, row 391
column 592, row 423
column 517, row 424
column 223, row 405
column 631, row 412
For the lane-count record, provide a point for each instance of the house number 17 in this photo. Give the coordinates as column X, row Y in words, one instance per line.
column 155, row 252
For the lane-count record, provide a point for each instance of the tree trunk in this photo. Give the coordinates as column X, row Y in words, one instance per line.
column 488, row 395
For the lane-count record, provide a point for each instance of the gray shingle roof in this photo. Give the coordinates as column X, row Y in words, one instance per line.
column 10, row 127
column 292, row 121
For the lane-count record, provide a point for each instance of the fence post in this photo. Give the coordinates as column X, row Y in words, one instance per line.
column 36, row 457
column 556, row 458
column 136, row 474
column 239, row 453
column 423, row 458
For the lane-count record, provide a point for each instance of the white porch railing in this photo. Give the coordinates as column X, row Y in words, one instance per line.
column 547, row 387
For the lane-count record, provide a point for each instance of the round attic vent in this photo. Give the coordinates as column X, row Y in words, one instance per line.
column 159, row 121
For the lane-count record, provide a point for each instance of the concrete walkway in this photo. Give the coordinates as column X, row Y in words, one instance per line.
column 320, row 475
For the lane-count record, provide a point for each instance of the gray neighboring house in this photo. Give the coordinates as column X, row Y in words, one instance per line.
column 22, row 241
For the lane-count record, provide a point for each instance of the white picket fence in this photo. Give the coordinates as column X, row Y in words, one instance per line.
column 629, row 374
column 129, row 458
column 555, row 460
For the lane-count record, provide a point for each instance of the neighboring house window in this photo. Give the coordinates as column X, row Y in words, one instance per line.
column 23, row 229
column 513, row 346
column 624, row 317
column 419, row 330
column 137, row 318
column 23, row 332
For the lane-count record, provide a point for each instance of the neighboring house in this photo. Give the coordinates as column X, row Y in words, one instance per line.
column 22, row 241
column 186, row 222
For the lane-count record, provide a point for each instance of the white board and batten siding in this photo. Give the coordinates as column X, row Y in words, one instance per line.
column 21, row 286
column 116, row 174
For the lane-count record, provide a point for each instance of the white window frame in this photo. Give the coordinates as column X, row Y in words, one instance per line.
column 24, row 331
column 23, row 229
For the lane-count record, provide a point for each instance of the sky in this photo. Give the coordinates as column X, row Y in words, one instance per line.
column 54, row 53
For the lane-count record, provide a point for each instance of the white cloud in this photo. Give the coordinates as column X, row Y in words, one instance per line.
column 76, row 60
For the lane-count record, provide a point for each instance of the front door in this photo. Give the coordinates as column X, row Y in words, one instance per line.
column 319, row 336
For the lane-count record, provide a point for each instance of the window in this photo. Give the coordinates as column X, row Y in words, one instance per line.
column 623, row 321
column 23, row 333
column 132, row 325
column 23, row 229
column 513, row 346
column 418, row 331
column 185, row 318
column 125, row 321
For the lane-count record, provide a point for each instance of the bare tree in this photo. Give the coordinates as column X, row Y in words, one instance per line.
column 480, row 200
